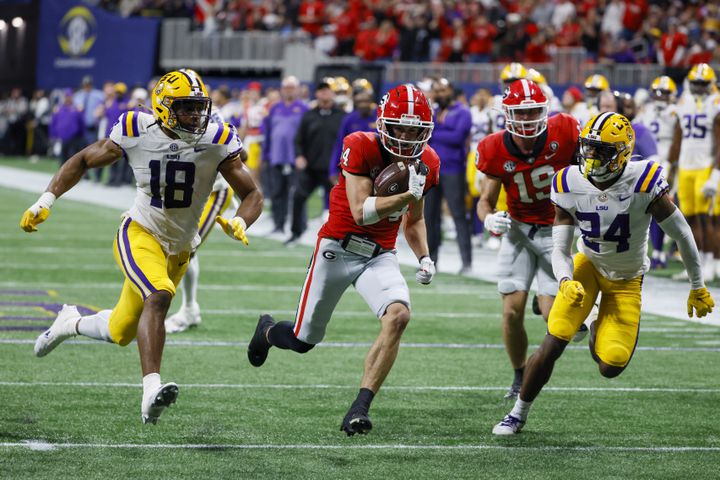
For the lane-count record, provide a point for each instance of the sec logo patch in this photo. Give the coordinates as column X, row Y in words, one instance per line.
column 509, row 166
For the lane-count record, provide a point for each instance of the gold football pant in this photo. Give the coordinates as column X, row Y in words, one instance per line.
column 147, row 269
column 619, row 318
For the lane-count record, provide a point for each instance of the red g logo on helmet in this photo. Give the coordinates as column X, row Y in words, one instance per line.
column 526, row 109
column 404, row 121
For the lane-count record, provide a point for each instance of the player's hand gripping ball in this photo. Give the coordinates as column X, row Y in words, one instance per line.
column 395, row 177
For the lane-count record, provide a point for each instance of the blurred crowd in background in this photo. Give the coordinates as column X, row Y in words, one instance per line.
column 673, row 33
column 294, row 137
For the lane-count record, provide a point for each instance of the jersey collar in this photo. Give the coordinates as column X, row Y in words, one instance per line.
column 515, row 151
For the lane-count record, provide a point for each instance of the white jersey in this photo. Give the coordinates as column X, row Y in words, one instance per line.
column 481, row 125
column 614, row 222
column 696, row 118
column 660, row 119
column 497, row 115
column 584, row 112
column 174, row 179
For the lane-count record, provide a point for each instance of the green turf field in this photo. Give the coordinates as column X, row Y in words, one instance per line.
column 75, row 413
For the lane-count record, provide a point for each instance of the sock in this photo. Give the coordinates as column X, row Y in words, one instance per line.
column 151, row 381
column 281, row 335
column 521, row 409
column 95, row 326
column 190, row 281
column 519, row 376
column 364, row 399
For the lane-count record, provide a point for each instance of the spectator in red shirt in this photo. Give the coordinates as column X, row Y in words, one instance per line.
column 569, row 34
column 536, row 50
column 365, row 42
column 480, row 39
column 672, row 46
column 312, row 16
column 386, row 40
column 635, row 12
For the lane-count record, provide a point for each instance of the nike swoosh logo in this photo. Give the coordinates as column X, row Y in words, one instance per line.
column 622, row 199
column 200, row 149
column 548, row 157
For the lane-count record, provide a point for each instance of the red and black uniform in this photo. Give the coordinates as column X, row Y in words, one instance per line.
column 364, row 155
column 527, row 178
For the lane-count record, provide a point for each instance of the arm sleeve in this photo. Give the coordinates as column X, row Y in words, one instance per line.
column 678, row 229
column 562, row 262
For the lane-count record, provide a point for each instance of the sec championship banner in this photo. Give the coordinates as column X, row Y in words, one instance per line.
column 77, row 39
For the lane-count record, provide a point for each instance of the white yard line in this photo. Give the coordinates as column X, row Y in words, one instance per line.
column 41, row 445
column 408, row 388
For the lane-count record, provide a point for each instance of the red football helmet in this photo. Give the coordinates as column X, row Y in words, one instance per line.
column 526, row 109
column 404, row 121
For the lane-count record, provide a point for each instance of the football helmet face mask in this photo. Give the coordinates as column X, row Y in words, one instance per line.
column 404, row 121
column 701, row 78
column 180, row 103
column 663, row 89
column 606, row 145
column 525, row 107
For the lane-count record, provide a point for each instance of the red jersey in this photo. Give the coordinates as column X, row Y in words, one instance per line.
column 364, row 155
column 526, row 178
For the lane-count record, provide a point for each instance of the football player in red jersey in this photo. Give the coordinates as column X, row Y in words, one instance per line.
column 523, row 158
column 357, row 244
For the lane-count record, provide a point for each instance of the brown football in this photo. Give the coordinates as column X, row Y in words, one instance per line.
column 392, row 180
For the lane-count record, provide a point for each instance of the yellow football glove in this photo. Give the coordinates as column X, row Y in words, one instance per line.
column 235, row 228
column 37, row 213
column 700, row 300
column 573, row 291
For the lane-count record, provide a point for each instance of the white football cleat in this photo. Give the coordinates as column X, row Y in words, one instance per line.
column 509, row 426
column 62, row 328
column 186, row 317
column 155, row 401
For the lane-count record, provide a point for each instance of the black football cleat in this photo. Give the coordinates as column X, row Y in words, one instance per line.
column 356, row 421
column 259, row 346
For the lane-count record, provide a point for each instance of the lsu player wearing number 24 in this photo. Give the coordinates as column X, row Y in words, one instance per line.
column 612, row 201
column 175, row 156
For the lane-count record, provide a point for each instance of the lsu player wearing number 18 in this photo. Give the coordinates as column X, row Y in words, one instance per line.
column 523, row 159
column 612, row 201
column 221, row 198
column 175, row 157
